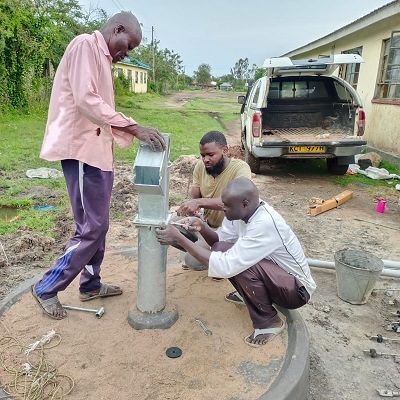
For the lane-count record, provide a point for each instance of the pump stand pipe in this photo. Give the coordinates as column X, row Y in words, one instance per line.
column 151, row 181
column 391, row 268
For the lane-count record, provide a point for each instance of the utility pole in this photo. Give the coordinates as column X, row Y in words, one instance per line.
column 152, row 47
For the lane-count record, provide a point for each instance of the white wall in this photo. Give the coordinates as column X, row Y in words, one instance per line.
column 382, row 120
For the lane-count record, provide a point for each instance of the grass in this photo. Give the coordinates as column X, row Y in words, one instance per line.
column 21, row 138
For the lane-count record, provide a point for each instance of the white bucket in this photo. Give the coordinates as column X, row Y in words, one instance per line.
column 356, row 274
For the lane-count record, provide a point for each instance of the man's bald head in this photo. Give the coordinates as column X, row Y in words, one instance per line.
column 126, row 19
column 240, row 198
column 122, row 33
column 243, row 188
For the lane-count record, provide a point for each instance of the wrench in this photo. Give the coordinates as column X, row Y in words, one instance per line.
column 202, row 326
column 373, row 353
column 99, row 313
column 388, row 393
column 380, row 338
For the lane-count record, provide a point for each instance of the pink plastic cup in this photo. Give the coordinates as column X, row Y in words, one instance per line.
column 381, row 206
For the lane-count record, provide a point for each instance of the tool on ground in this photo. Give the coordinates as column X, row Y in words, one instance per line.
column 394, row 326
column 99, row 313
column 373, row 353
column 380, row 338
column 387, row 393
column 202, row 326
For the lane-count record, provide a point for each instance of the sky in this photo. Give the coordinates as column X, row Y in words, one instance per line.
column 220, row 32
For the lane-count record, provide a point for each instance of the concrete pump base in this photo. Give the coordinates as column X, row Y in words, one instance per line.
column 160, row 320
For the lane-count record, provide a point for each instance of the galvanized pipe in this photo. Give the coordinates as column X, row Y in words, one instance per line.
column 152, row 262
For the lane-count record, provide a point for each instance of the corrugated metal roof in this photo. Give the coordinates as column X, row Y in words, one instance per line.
column 135, row 63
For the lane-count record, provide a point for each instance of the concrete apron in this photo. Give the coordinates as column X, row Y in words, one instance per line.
column 292, row 382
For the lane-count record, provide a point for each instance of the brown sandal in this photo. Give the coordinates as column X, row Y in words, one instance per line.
column 104, row 291
column 235, row 297
column 52, row 301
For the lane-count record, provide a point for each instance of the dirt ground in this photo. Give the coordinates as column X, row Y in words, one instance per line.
column 338, row 330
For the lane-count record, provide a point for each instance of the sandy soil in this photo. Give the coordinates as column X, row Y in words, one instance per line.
column 209, row 368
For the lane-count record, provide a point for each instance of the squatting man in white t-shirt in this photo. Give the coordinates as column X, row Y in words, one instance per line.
column 257, row 251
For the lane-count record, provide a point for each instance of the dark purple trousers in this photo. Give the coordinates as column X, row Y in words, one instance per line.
column 89, row 191
column 263, row 285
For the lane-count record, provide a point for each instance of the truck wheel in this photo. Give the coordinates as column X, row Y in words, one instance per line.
column 254, row 163
column 335, row 168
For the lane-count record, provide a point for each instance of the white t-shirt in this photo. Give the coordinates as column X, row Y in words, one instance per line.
column 265, row 236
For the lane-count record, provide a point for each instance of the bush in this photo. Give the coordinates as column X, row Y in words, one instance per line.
column 122, row 85
column 151, row 87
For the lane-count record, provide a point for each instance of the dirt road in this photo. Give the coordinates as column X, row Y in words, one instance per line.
column 338, row 330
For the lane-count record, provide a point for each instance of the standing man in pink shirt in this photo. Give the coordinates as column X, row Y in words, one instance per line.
column 81, row 129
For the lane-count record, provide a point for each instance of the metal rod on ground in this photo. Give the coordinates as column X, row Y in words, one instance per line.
column 380, row 339
column 99, row 313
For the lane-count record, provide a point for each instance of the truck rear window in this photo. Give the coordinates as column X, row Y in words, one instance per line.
column 298, row 90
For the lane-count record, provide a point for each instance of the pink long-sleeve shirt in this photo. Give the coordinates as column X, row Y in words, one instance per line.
column 82, row 108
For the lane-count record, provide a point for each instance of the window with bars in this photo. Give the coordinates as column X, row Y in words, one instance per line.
column 388, row 86
column 350, row 72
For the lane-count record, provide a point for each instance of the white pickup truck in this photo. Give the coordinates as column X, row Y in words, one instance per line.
column 298, row 109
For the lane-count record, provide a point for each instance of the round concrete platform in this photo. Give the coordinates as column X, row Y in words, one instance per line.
column 292, row 382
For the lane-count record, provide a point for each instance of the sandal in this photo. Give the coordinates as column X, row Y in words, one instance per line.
column 235, row 297
column 194, row 268
column 52, row 302
column 271, row 331
column 104, row 291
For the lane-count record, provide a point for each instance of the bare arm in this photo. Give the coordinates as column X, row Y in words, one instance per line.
column 191, row 207
column 171, row 235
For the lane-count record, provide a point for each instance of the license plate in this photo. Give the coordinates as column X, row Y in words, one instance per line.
column 306, row 149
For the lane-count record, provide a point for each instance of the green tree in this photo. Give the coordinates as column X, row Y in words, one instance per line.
column 259, row 72
column 225, row 78
column 242, row 72
column 203, row 74
column 34, row 35
column 167, row 65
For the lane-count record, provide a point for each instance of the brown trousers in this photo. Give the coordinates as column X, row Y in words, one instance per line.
column 263, row 285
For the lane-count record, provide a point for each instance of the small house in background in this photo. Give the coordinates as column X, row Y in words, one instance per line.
column 135, row 71
column 225, row 86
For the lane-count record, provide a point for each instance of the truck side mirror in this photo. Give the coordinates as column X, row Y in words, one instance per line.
column 241, row 99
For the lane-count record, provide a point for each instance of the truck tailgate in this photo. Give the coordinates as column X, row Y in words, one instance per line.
column 306, row 136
